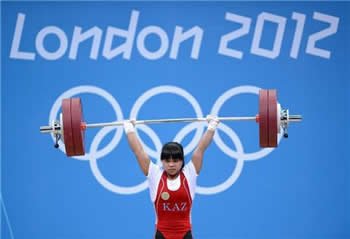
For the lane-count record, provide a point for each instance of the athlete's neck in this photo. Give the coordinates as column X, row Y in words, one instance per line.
column 173, row 177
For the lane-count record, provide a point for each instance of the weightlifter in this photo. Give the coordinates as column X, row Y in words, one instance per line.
column 172, row 187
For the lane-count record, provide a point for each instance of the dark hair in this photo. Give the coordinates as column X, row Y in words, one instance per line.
column 172, row 150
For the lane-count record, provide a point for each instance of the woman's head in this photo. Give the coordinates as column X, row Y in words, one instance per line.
column 172, row 158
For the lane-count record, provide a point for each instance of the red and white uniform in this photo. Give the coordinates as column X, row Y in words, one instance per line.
column 172, row 199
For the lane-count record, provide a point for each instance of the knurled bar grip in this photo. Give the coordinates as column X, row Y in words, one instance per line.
column 177, row 120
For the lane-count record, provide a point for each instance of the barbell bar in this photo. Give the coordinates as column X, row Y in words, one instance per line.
column 71, row 126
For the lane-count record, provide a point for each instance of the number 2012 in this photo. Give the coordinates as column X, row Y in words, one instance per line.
column 281, row 24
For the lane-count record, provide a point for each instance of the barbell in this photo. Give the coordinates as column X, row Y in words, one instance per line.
column 70, row 128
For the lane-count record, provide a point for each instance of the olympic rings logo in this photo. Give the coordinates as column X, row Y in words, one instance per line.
column 93, row 154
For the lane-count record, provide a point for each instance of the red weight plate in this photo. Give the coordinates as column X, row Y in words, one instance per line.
column 78, row 132
column 67, row 127
column 272, row 118
column 263, row 119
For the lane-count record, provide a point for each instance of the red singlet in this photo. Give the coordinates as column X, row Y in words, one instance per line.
column 173, row 208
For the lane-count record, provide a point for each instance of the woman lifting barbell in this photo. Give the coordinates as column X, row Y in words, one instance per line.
column 172, row 187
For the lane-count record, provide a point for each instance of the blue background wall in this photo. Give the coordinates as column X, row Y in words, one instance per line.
column 299, row 190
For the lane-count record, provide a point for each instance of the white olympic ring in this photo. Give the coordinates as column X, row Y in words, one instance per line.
column 93, row 90
column 98, row 175
column 175, row 90
column 237, row 171
column 215, row 111
column 94, row 154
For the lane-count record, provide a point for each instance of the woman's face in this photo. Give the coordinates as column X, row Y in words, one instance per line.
column 172, row 167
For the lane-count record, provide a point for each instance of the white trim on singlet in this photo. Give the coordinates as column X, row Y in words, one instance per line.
column 189, row 197
column 155, row 174
column 156, row 207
